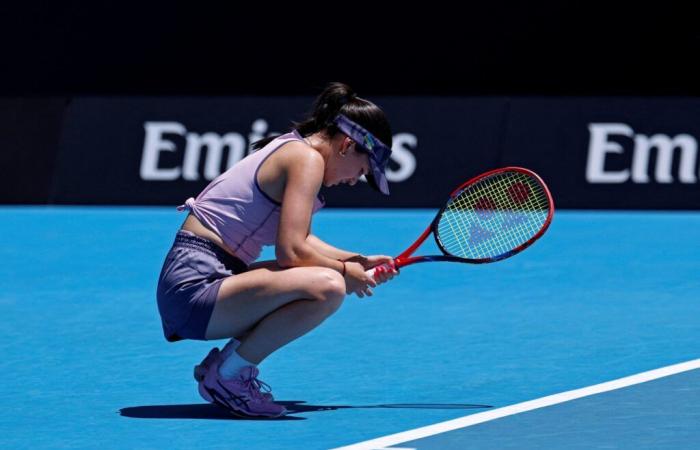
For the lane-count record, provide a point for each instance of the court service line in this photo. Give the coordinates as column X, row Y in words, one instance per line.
column 473, row 419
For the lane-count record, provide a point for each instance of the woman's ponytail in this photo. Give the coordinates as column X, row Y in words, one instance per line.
column 339, row 98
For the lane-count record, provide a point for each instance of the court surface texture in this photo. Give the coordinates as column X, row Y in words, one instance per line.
column 588, row 339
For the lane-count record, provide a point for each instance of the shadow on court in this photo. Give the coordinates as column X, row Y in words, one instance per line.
column 208, row 411
column 193, row 411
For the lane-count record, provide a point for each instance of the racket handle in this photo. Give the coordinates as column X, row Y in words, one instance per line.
column 383, row 268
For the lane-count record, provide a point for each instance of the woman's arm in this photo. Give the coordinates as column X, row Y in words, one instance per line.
column 328, row 250
column 367, row 262
column 303, row 172
column 303, row 169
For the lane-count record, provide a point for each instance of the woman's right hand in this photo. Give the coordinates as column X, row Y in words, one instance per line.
column 357, row 280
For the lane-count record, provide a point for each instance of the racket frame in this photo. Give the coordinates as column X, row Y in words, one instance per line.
column 405, row 258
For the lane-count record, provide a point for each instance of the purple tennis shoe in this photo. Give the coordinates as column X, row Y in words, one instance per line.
column 200, row 371
column 241, row 395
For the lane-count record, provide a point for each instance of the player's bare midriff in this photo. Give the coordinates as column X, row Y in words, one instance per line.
column 269, row 182
column 193, row 225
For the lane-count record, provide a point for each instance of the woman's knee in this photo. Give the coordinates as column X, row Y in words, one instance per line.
column 327, row 286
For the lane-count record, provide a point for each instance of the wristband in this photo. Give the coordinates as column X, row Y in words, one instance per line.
column 343, row 266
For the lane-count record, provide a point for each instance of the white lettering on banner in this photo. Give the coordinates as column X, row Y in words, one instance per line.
column 664, row 160
column 215, row 145
column 258, row 131
column 401, row 154
column 600, row 146
column 156, row 142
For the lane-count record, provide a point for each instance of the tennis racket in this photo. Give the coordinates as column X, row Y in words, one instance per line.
column 489, row 218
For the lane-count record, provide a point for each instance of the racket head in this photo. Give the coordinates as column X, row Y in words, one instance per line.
column 493, row 216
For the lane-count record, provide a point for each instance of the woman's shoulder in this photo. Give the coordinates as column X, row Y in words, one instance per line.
column 300, row 156
column 294, row 162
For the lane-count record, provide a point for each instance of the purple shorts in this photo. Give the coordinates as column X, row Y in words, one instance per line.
column 189, row 283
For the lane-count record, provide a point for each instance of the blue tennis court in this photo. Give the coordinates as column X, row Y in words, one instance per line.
column 604, row 295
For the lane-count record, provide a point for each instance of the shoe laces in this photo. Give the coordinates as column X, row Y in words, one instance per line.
column 261, row 386
column 255, row 386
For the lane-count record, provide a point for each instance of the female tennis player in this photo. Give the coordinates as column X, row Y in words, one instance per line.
column 210, row 286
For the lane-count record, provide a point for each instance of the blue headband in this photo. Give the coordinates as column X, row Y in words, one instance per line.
column 376, row 150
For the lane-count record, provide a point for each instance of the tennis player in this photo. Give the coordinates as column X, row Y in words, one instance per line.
column 211, row 286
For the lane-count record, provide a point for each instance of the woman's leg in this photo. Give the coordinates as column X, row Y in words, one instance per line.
column 272, row 307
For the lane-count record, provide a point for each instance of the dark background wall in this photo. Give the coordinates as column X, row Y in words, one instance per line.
column 551, row 68
column 262, row 48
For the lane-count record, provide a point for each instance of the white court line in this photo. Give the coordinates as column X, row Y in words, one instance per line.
column 473, row 419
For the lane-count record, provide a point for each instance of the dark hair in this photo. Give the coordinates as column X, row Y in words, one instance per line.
column 339, row 98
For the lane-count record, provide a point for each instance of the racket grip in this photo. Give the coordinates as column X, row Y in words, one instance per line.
column 383, row 268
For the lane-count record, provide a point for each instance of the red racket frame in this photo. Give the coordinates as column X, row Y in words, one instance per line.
column 405, row 258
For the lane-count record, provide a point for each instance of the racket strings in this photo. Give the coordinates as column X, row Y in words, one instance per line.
column 500, row 202
column 493, row 216
column 521, row 232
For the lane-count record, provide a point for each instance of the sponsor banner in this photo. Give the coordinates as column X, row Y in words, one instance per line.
column 164, row 150
column 609, row 153
column 622, row 153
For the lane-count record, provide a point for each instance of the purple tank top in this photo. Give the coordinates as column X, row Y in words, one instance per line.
column 234, row 206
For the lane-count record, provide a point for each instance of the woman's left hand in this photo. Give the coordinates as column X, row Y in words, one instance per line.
column 383, row 274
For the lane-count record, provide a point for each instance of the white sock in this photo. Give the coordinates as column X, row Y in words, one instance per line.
column 230, row 347
column 232, row 365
